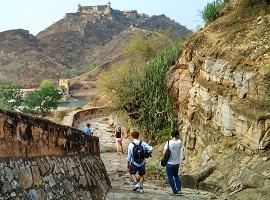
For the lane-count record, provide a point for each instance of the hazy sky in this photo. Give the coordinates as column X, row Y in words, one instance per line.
column 36, row 15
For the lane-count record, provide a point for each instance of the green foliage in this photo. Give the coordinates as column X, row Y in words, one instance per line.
column 121, row 81
column 10, row 96
column 42, row 100
column 211, row 11
column 137, row 83
column 164, row 134
column 154, row 108
column 153, row 167
column 142, row 48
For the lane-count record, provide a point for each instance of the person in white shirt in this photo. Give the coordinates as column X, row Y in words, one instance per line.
column 172, row 166
column 137, row 151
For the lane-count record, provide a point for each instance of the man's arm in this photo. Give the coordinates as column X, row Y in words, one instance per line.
column 147, row 147
column 129, row 156
column 165, row 148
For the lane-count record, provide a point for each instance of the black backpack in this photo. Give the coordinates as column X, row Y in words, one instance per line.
column 166, row 156
column 138, row 153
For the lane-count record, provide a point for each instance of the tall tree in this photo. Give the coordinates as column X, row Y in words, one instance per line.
column 41, row 101
column 10, row 96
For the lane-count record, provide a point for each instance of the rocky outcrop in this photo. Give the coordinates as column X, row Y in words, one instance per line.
column 221, row 89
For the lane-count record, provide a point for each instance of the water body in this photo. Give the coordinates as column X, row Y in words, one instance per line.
column 74, row 102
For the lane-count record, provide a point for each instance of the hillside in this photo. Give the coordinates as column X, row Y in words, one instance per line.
column 221, row 90
column 75, row 44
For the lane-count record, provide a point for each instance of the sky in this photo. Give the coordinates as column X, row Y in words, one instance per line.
column 36, row 15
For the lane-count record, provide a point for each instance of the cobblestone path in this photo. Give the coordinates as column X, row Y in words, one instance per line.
column 120, row 179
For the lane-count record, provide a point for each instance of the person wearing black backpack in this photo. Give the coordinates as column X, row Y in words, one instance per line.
column 137, row 152
column 172, row 167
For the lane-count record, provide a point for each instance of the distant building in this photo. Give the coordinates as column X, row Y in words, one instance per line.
column 131, row 13
column 100, row 9
column 64, row 84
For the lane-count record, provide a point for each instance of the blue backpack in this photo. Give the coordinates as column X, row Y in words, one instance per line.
column 138, row 153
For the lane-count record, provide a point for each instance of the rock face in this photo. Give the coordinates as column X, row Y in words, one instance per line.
column 93, row 36
column 221, row 90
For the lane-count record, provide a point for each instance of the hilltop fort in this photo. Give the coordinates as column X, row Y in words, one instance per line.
column 104, row 11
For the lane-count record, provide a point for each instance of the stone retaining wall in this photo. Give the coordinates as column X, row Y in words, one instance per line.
column 24, row 136
column 65, row 177
column 86, row 114
column 40, row 159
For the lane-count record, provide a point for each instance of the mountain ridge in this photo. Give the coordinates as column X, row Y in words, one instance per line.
column 76, row 43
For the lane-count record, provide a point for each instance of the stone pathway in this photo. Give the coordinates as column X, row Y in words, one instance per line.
column 120, row 178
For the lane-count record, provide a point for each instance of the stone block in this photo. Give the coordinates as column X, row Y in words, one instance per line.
column 26, row 178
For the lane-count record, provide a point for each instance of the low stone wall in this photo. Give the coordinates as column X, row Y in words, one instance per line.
column 24, row 136
column 86, row 114
column 64, row 177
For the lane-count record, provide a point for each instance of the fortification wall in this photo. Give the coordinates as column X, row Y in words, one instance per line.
column 70, row 177
column 40, row 159
column 86, row 114
column 24, row 136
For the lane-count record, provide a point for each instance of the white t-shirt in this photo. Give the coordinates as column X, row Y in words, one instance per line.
column 175, row 146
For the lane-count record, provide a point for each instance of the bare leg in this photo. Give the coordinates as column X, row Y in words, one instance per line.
column 117, row 146
column 121, row 147
column 141, row 181
column 134, row 178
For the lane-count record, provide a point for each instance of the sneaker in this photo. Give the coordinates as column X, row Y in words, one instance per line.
column 136, row 186
column 180, row 192
column 141, row 191
column 175, row 194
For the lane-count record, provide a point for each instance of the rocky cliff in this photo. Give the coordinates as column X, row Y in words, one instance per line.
column 221, row 89
column 76, row 43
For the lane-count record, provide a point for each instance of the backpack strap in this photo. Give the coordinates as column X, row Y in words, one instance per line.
column 140, row 144
column 168, row 145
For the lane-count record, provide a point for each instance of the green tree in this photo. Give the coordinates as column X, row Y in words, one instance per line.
column 41, row 101
column 10, row 96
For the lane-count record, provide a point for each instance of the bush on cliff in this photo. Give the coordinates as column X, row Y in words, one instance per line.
column 140, row 89
column 120, row 83
column 154, row 109
column 211, row 11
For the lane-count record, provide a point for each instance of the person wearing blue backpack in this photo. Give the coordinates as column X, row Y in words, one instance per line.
column 138, row 151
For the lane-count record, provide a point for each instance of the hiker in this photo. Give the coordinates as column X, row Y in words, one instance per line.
column 87, row 130
column 118, row 140
column 172, row 166
column 137, row 152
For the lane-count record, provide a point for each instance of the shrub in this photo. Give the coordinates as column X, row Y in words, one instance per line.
column 211, row 10
column 138, row 87
column 153, row 167
column 155, row 107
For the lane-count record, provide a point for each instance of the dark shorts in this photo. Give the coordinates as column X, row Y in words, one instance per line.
column 134, row 169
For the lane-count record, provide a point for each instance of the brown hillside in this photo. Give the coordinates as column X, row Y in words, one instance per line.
column 75, row 44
